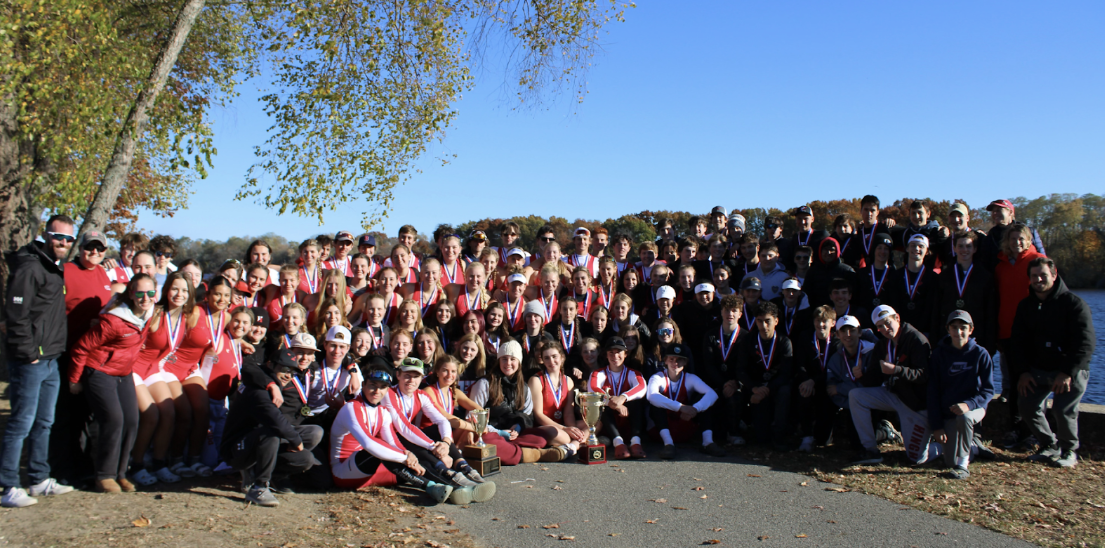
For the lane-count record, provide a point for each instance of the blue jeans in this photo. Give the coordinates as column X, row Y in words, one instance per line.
column 34, row 392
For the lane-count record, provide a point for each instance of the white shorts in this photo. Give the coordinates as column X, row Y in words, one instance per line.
column 347, row 469
column 160, row 376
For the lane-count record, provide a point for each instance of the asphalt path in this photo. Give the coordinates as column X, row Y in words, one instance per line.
column 695, row 502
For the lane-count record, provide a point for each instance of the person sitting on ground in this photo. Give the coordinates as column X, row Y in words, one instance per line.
column 679, row 402
column 961, row 384
column 625, row 408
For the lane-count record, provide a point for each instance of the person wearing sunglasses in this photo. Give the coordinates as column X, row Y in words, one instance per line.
column 34, row 306
column 102, row 366
column 164, row 249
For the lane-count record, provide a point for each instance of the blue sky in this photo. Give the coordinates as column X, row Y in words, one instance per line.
column 748, row 104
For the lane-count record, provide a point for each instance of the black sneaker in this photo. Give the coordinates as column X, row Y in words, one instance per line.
column 713, row 449
column 261, row 495
column 984, row 453
column 282, row 487
column 868, row 457
column 958, row 473
column 1045, row 454
column 668, row 452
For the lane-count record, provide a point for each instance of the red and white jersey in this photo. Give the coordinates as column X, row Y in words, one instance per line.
column 413, row 262
column 426, row 299
column 552, row 405
column 645, row 272
column 628, row 382
column 469, row 301
column 452, row 274
column 671, row 395
column 360, row 426
column 341, row 265
column 409, row 410
column 391, row 307
column 588, row 261
column 514, row 315
column 276, row 309
column 310, row 280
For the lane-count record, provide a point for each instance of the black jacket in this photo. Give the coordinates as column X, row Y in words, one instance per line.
column 866, row 295
column 980, row 300
column 793, row 322
column 909, row 381
column 944, row 248
column 694, row 320
column 260, row 377
column 820, row 277
column 1053, row 334
column 751, row 370
column 35, row 305
column 921, row 310
column 807, row 358
column 812, row 239
column 254, row 409
column 712, row 365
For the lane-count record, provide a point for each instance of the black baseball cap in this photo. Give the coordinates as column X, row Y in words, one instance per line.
column 678, row 350
column 284, row 359
column 884, row 239
column 262, row 316
column 802, row 210
column 615, row 343
column 961, row 315
column 751, row 283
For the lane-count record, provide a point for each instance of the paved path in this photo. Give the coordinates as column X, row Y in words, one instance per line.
column 594, row 502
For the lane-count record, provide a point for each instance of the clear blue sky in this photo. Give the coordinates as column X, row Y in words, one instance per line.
column 749, row 104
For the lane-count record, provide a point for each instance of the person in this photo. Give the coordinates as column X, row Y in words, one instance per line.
column 1003, row 216
column 841, row 297
column 309, row 270
column 794, row 309
column 287, row 292
column 224, row 379
column 697, row 315
column 570, row 328
column 408, row 317
column 366, row 245
column 34, row 306
column 844, row 232
column 919, row 223
column 716, row 364
column 341, row 260
column 164, row 249
column 102, row 363
column 533, row 316
column 131, row 243
column 844, row 373
column 804, row 236
column 620, row 246
column 336, row 380
column 816, row 412
column 966, row 285
column 872, row 289
column 362, row 270
column 960, row 387
column 406, row 264
column 1013, row 285
column 680, row 400
column 260, row 252
column 625, row 408
column 1052, row 342
column 472, row 295
column 803, row 260
column 667, row 334
column 770, row 271
column 451, row 400
column 869, row 226
column 899, row 384
column 765, row 374
column 261, row 443
column 959, row 219
column 916, row 291
column 329, row 313
column 581, row 291
column 750, row 291
column 509, row 235
column 452, row 264
column 428, row 346
column 581, row 256
column 256, row 280
column 828, row 268
column 551, row 391
column 749, row 259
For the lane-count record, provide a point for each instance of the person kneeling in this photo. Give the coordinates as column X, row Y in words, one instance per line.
column 261, row 443
column 670, row 393
column 961, row 383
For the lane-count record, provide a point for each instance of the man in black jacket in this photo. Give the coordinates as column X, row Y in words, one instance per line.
column 804, row 236
column 36, row 329
column 765, row 372
column 1053, row 340
column 897, row 381
column 261, row 443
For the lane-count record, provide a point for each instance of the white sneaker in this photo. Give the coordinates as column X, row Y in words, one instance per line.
column 182, row 470
column 48, row 487
column 144, row 477
column 807, row 444
column 736, row 440
column 16, row 497
column 165, row 476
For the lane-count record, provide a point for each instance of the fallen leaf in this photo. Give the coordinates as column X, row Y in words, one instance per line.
column 712, row 541
column 831, row 521
column 763, row 537
column 718, row 529
column 651, row 520
column 800, row 536
column 141, row 522
column 614, row 534
column 557, row 488
column 661, row 501
column 567, row 538
column 837, row 489
column 753, row 475
column 696, row 479
column 804, row 483
column 551, row 526
column 818, row 507
column 702, row 497
column 699, row 488
column 523, row 526
column 677, row 508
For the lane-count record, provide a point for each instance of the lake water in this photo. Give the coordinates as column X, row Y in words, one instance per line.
column 1095, row 391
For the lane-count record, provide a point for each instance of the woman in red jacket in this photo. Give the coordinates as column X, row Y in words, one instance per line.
column 102, row 362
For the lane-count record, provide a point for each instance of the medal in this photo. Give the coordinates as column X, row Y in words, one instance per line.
column 425, row 306
column 375, row 340
column 311, row 284
column 912, row 289
column 766, row 357
column 446, row 398
column 570, row 339
column 822, row 357
column 557, row 392
column 911, row 306
column 673, row 393
column 216, row 334
column 878, row 283
column 331, row 386
column 960, row 303
column 586, row 302
column 616, row 386
column 173, row 332
column 848, row 368
column 961, row 286
column 876, row 302
column 725, row 348
column 305, row 411
column 802, row 242
column 549, row 306
column 303, row 390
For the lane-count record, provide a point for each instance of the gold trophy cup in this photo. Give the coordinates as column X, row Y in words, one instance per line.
column 479, row 455
column 591, row 405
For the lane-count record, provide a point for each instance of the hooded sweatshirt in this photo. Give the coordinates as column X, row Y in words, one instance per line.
column 820, row 276
column 34, row 306
column 112, row 346
column 962, row 375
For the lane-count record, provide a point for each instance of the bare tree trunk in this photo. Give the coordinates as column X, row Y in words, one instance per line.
column 123, row 156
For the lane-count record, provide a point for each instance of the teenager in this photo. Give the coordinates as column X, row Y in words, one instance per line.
column 427, row 346
column 452, row 402
column 804, row 235
column 1013, row 287
column 551, row 391
column 959, row 219
column 840, row 295
column 872, row 288
column 373, row 323
column 844, row 373
column 765, row 372
column 828, row 268
column 960, row 387
column 532, row 334
column 513, row 300
column 509, row 235
column 287, row 292
column 770, row 271
column 625, row 409
column 472, row 295
column 546, row 291
column 803, row 259
column 342, row 258
column 844, row 232
column 310, row 271
column 336, row 380
column 404, row 261
column 968, row 286
column 569, row 329
column 868, row 227
column 452, row 265
column 794, row 310
column 620, row 246
column 495, row 327
column 919, row 223
column 471, row 357
column 408, row 317
column 581, row 256
column 812, row 349
column 679, row 401
column 580, row 290
column 917, row 289
column 361, row 271
column 647, row 253
column 749, row 258
column 1002, row 217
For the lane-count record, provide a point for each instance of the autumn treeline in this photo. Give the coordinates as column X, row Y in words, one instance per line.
column 1072, row 228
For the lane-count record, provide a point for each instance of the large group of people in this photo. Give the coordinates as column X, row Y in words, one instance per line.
column 346, row 368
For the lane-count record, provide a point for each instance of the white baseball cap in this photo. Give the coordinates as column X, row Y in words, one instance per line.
column 792, row 284
column 303, row 340
column 882, row 311
column 520, row 278
column 704, row 288
column 665, row 292
column 919, row 238
column 844, row 321
column 516, row 251
column 340, row 334
column 582, row 231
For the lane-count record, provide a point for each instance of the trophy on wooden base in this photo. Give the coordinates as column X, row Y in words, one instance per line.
column 591, row 405
column 480, row 456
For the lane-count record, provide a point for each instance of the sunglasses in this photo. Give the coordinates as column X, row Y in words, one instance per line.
column 548, row 239
column 149, row 294
column 665, row 331
column 61, row 236
column 95, row 248
column 165, row 254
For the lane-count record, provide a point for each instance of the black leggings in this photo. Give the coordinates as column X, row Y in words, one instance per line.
column 636, row 420
column 115, row 408
column 266, row 453
column 425, row 458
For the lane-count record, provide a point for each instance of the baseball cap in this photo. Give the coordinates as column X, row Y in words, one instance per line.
column 1001, row 203
column 961, row 315
column 93, row 236
column 704, row 288
column 242, row 287
column 303, row 340
column 581, row 231
column 366, row 239
column 344, row 236
column 533, row 307
column 284, row 359
column 413, row 364
column 846, row 321
column 665, row 292
column 880, row 312
column 261, row 317
column 960, row 208
column 919, row 238
column 615, row 343
column 678, row 350
column 751, row 283
column 520, row 278
column 883, row 238
column 339, row 333
column 719, row 209
column 802, row 211
column 792, row 284
column 737, row 220
column 516, row 251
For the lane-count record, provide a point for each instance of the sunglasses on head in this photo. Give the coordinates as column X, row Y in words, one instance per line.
column 61, row 236
column 151, row 294
column 95, row 248
column 165, row 254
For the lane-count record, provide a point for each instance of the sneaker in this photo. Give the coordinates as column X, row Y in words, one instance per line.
column 473, row 475
column 668, row 452
column 182, row 470
column 202, row 470
column 621, row 452
column 165, row 476
column 958, row 473
column 887, row 433
column 459, row 479
column 439, row 491
column 736, row 440
column 16, row 497
column 484, row 492
column 807, row 445
column 144, row 477
column 48, row 487
column 260, row 495
column 868, row 456
column 282, row 487
column 569, row 452
column 636, row 451
column 1067, row 459
column 223, row 469
column 126, row 485
column 461, row 496
column 713, row 449
column 1047, row 455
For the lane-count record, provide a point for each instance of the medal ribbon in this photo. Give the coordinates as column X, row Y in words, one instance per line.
column 673, row 394
column 891, row 352
column 606, row 295
column 390, row 307
column 878, row 284
column 287, row 342
column 216, row 334
column 867, row 238
column 558, row 390
column 173, row 332
column 789, row 315
column 726, row 348
column 911, row 289
column 616, row 385
column 468, row 300
column 766, row 357
column 549, row 306
column 848, row 368
column 330, row 385
column 802, row 242
column 822, row 357
column 312, row 285
column 303, row 389
column 515, row 314
column 237, row 347
column 567, row 342
column 375, row 340
column 586, row 302
column 962, row 286
column 451, row 277
column 749, row 322
column 366, row 418
column 426, row 305
column 408, row 408
column 446, row 398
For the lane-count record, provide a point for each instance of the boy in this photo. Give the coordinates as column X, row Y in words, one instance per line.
column 671, row 393
column 841, row 297
column 770, row 271
column 581, row 256
column 794, row 309
column 343, row 244
column 961, row 384
column 829, row 267
column 816, row 411
column 765, row 372
column 717, row 366
column 872, row 288
column 843, row 372
column 967, row 285
column 750, row 290
column 869, row 226
column 917, row 288
column 647, row 253
column 621, row 246
column 803, row 259
column 805, row 236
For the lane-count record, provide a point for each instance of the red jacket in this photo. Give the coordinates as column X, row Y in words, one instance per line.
column 111, row 346
column 1012, row 281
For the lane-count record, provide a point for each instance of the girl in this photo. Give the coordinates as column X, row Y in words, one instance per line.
column 333, row 287
column 163, row 248
column 281, row 339
column 159, row 386
column 359, row 281
column 600, row 322
column 545, row 292
column 582, row 293
column 257, row 276
column 631, row 283
column 552, row 258
column 489, row 258
column 284, row 294
column 408, row 318
column 472, row 295
column 402, row 343
column 260, row 252
column 607, row 283
column 625, row 410
column 471, row 361
column 445, row 323
column 635, row 354
column 401, row 261
column 495, row 328
column 588, row 360
column 667, row 334
column 427, row 292
column 376, row 331
column 552, row 402
column 427, row 347
column 224, row 377
column 387, row 283
column 330, row 314
column 452, row 267
column 309, row 271
column 571, row 328
column 472, row 323
column 451, row 400
column 622, row 317
column 108, row 351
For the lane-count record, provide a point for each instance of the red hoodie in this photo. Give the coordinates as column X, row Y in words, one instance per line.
column 112, row 346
